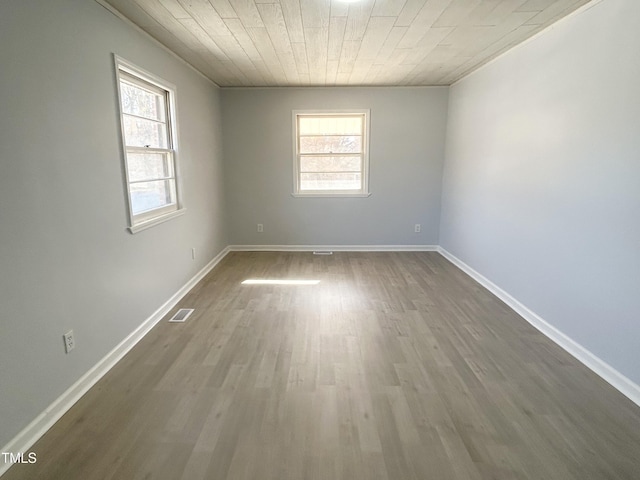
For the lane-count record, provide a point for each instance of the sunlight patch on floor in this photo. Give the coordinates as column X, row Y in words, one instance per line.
column 268, row 281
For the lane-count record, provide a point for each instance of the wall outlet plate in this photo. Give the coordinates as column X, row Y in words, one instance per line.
column 69, row 341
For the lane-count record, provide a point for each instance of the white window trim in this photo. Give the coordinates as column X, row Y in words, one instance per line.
column 365, row 157
column 145, row 220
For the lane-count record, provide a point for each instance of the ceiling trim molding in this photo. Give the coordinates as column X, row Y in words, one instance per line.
column 532, row 38
column 157, row 43
column 325, row 87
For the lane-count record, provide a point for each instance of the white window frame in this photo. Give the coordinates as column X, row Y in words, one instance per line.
column 134, row 74
column 362, row 192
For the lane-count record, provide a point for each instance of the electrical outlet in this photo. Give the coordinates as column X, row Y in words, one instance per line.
column 417, row 228
column 193, row 253
column 69, row 341
column 260, row 228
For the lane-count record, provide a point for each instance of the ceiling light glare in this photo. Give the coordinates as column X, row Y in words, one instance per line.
column 267, row 281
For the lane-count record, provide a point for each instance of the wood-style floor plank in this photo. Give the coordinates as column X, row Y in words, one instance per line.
column 396, row 366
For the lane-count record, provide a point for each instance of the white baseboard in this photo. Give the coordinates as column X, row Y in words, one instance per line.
column 623, row 384
column 43, row 422
column 333, row 248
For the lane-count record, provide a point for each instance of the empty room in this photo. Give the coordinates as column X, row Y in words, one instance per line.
column 320, row 239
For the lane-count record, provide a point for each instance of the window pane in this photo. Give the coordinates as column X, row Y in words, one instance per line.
column 150, row 195
column 331, row 144
column 330, row 181
column 330, row 164
column 148, row 166
column 142, row 103
column 330, row 125
column 141, row 133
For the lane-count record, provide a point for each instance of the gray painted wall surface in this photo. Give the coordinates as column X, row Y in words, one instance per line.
column 66, row 261
column 541, row 190
column 406, row 155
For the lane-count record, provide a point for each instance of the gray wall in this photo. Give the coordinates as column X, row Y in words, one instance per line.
column 541, row 190
column 66, row 260
column 406, row 155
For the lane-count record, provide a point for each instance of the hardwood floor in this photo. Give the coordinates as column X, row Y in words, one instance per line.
column 395, row 366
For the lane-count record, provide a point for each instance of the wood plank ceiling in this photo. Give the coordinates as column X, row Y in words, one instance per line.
column 335, row 42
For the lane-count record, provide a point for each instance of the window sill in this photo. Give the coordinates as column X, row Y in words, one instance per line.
column 156, row 221
column 333, row 194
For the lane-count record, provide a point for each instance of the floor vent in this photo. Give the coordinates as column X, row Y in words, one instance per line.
column 181, row 315
column 321, row 252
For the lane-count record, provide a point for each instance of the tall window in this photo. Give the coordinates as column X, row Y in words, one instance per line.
column 148, row 121
column 331, row 153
